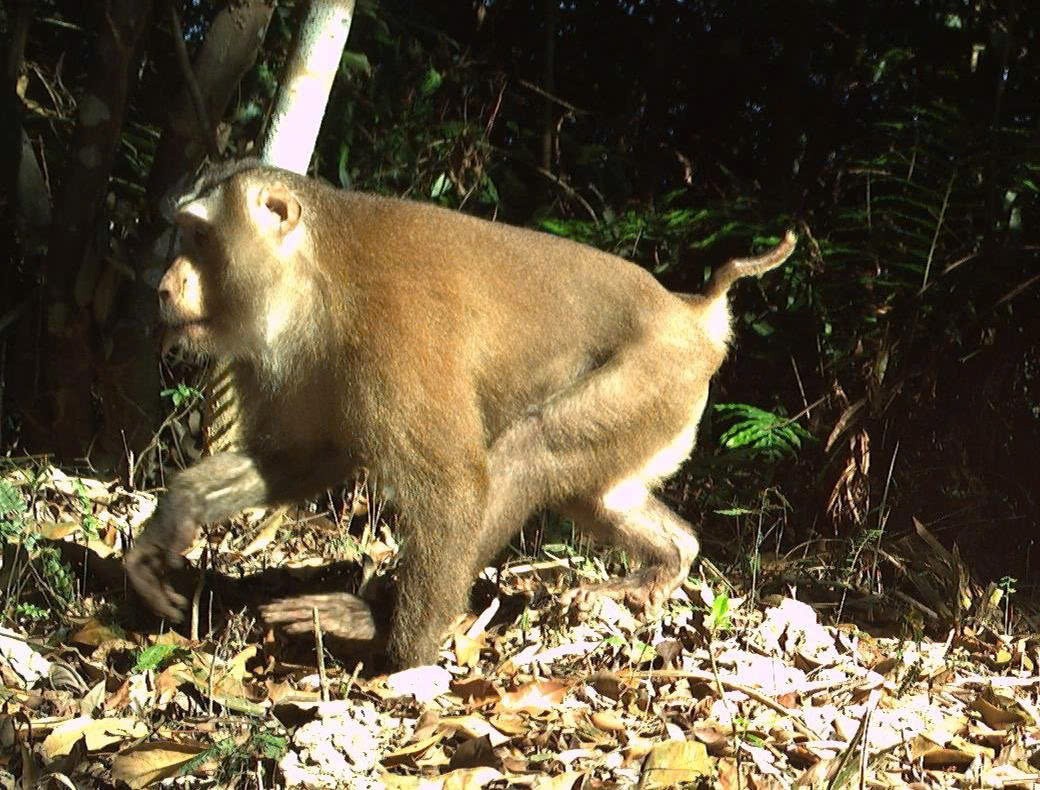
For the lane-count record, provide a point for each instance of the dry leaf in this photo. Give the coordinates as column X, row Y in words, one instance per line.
column 568, row 780
column 150, row 763
column 474, row 726
column 268, row 532
column 97, row 733
column 94, row 633
column 409, row 753
column 673, row 762
column 423, row 683
column 475, row 691
column 607, row 721
column 470, row 778
column 467, row 650
column 534, row 697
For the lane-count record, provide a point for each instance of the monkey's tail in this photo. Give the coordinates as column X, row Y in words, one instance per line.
column 734, row 269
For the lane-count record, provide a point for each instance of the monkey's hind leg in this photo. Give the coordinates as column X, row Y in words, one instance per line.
column 593, row 451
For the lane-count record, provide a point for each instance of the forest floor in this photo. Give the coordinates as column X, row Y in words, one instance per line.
column 716, row 690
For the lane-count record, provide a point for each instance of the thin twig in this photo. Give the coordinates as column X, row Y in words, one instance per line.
column 938, row 230
column 352, row 679
column 861, row 739
column 319, row 644
column 196, row 596
column 732, row 685
column 546, row 95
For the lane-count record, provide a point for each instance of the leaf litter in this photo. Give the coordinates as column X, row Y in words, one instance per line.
column 711, row 691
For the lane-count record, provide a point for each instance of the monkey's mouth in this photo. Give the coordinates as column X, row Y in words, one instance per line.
column 183, row 332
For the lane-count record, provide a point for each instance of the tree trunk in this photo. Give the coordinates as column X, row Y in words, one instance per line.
column 129, row 378
column 225, row 57
column 300, row 106
column 61, row 332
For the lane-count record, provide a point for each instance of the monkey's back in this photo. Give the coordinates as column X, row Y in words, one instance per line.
column 498, row 300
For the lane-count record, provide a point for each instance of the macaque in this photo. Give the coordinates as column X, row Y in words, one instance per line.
column 480, row 372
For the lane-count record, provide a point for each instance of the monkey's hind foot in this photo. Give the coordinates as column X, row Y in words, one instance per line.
column 346, row 621
column 645, row 590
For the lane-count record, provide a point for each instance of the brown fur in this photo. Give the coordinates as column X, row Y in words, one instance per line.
column 482, row 372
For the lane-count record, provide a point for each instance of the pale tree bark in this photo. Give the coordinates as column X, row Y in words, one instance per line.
column 289, row 143
column 304, row 93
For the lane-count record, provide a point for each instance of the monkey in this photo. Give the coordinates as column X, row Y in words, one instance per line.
column 482, row 372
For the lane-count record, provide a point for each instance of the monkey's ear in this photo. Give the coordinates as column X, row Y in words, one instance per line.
column 282, row 206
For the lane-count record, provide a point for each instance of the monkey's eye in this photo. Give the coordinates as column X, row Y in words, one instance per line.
column 197, row 235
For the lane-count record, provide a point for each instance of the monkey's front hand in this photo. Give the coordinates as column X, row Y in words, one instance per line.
column 155, row 556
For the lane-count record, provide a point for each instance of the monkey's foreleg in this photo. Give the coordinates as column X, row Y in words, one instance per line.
column 213, row 489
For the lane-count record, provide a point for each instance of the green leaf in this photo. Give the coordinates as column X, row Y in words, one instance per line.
column 431, row 81
column 181, row 394
column 718, row 616
column 356, row 61
column 752, row 428
column 440, row 185
column 11, row 501
column 156, row 656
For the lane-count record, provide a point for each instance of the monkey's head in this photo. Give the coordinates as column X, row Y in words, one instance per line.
column 241, row 271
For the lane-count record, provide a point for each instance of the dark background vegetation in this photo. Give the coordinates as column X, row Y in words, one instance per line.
column 901, row 139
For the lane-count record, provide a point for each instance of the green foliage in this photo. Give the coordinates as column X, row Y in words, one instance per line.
column 54, row 582
column 718, row 618
column 57, row 577
column 1008, row 585
column 88, row 521
column 182, row 395
column 668, row 230
column 158, row 656
column 13, row 510
column 25, row 611
column 234, row 759
column 760, row 431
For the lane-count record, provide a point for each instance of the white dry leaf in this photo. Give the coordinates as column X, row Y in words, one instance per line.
column 764, row 759
column 335, row 751
column 140, row 695
column 423, row 683
column 568, row 756
column 94, row 490
column 27, row 665
column 790, row 616
column 772, row 675
column 819, row 718
column 554, row 654
column 611, row 613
